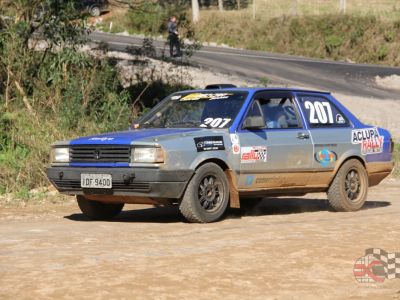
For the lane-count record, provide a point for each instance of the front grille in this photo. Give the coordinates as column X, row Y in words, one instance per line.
column 83, row 154
column 121, row 186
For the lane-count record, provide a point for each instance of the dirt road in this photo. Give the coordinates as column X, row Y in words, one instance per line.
column 283, row 249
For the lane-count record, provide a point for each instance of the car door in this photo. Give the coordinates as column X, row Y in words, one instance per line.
column 330, row 131
column 281, row 153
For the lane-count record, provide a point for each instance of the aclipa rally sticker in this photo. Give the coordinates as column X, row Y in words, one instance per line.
column 369, row 138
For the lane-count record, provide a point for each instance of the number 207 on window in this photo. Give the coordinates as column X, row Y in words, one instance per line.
column 320, row 112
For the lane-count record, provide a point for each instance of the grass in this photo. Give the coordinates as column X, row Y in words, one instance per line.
column 363, row 39
column 369, row 32
column 269, row 9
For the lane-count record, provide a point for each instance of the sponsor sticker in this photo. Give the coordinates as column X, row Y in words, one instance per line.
column 325, row 157
column 370, row 140
column 372, row 146
column 235, row 143
column 253, row 154
column 209, row 143
column 340, row 119
column 101, row 139
column 204, row 96
column 249, row 180
column 359, row 135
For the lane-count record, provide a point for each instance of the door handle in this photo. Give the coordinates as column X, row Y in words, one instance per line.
column 302, row 135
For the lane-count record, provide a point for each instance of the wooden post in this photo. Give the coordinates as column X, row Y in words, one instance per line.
column 221, row 5
column 342, row 8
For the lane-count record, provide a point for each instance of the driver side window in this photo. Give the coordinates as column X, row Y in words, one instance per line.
column 278, row 110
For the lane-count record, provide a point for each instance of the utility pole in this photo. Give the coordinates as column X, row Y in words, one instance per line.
column 221, row 5
column 238, row 4
column 342, row 8
column 196, row 11
column 294, row 8
column 254, row 9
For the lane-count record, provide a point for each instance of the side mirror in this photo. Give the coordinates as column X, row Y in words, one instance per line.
column 254, row 122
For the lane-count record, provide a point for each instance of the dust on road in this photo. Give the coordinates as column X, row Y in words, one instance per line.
column 284, row 248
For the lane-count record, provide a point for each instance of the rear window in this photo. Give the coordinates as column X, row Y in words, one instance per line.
column 321, row 112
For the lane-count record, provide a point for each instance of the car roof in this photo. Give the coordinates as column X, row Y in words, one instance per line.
column 257, row 89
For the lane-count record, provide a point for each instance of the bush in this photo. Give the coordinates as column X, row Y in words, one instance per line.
column 57, row 93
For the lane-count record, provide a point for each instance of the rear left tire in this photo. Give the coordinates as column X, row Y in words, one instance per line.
column 348, row 190
column 96, row 210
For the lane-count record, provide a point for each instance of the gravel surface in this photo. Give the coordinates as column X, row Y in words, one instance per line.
column 284, row 248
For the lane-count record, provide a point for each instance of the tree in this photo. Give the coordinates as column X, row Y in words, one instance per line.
column 196, row 11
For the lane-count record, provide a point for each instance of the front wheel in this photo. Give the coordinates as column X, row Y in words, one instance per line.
column 96, row 210
column 207, row 195
column 349, row 189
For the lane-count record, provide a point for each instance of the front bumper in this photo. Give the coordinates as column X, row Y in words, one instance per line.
column 141, row 182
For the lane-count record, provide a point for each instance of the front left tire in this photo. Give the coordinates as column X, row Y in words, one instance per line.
column 96, row 210
column 207, row 195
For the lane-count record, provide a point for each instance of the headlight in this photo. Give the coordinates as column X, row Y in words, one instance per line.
column 59, row 155
column 147, row 155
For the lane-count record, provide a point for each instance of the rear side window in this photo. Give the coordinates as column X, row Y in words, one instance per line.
column 321, row 112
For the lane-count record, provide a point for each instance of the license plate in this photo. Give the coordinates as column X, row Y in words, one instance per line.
column 96, row 181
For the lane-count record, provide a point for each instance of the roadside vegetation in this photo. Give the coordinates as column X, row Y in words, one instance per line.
column 369, row 31
column 396, row 155
column 51, row 90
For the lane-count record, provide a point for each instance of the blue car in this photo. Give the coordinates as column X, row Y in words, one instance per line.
column 205, row 150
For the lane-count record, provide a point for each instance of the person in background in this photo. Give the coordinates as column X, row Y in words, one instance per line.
column 173, row 36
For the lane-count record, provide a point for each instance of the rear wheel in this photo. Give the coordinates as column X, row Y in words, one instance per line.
column 96, row 210
column 207, row 195
column 349, row 189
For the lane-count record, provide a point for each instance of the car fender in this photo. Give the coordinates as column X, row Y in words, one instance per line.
column 210, row 155
column 346, row 155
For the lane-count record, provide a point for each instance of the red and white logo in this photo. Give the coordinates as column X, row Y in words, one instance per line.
column 254, row 154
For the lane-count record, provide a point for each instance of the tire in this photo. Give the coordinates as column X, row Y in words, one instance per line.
column 348, row 190
column 207, row 195
column 96, row 210
column 95, row 11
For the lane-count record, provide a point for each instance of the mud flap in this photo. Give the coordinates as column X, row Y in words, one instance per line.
column 234, row 201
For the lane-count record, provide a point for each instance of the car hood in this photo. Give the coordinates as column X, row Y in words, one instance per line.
column 131, row 136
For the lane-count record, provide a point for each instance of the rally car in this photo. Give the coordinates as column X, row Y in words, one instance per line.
column 205, row 150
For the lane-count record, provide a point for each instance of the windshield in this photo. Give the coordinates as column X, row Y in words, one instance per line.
column 196, row 109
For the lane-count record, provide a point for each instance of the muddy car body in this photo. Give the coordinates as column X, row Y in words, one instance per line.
column 206, row 149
